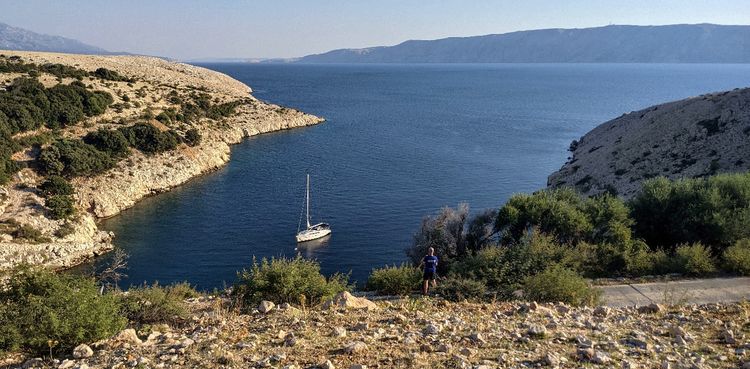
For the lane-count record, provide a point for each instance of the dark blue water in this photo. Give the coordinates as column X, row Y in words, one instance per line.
column 400, row 142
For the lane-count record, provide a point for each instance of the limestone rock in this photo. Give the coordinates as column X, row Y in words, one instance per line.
column 347, row 301
column 82, row 351
column 266, row 306
column 355, row 347
column 650, row 309
column 128, row 336
column 537, row 330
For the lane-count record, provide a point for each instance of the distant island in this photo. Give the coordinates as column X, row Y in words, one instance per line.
column 14, row 38
column 680, row 43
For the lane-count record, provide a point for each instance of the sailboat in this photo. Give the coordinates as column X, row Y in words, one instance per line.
column 312, row 232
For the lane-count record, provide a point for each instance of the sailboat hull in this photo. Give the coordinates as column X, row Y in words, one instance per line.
column 312, row 234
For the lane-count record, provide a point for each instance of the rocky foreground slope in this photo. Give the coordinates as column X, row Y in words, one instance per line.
column 690, row 138
column 155, row 83
column 427, row 333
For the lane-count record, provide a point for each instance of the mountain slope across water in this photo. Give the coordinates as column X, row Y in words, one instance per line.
column 690, row 138
column 683, row 43
column 14, row 38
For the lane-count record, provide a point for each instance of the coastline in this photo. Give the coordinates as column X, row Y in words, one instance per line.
column 140, row 175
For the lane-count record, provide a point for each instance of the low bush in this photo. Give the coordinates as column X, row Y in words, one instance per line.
column 568, row 216
column 394, row 280
column 192, row 137
column 737, row 257
column 694, row 259
column 714, row 211
column 27, row 232
column 42, row 311
column 287, row 280
column 149, row 139
column 459, row 289
column 55, row 185
column 487, row 265
column 60, row 206
column 560, row 284
column 156, row 304
column 112, row 142
column 73, row 158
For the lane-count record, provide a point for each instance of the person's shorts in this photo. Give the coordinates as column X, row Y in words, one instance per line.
column 429, row 275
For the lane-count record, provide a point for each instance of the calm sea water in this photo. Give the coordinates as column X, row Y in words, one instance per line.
column 400, row 141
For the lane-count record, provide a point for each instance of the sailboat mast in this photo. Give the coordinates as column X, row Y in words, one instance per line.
column 307, row 197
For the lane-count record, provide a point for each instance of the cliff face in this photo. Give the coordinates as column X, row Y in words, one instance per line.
column 139, row 175
column 690, row 138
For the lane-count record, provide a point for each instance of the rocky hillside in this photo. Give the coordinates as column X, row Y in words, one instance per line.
column 354, row 333
column 153, row 92
column 14, row 38
column 690, row 138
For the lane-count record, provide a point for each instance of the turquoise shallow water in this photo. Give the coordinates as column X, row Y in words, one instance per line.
column 400, row 142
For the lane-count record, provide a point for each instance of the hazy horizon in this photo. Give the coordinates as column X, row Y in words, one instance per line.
column 294, row 28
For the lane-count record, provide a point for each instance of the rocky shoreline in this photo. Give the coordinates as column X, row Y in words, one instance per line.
column 139, row 175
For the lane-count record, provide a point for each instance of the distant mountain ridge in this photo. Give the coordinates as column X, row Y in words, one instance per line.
column 14, row 38
column 680, row 43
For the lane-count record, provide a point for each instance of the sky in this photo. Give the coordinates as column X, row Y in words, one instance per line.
column 192, row 29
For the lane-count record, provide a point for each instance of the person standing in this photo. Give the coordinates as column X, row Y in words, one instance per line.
column 430, row 263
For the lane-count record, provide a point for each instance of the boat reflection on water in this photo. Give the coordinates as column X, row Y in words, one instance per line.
column 309, row 247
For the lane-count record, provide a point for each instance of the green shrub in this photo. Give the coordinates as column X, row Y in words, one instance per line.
column 56, row 185
column 505, row 268
column 73, row 158
column 713, row 210
column 287, row 280
column 28, row 233
column 110, row 75
column 40, row 306
column 156, row 304
column 60, row 206
column 737, row 257
column 694, row 259
column 488, row 265
column 560, row 284
column 149, row 139
column 567, row 215
column 192, row 137
column 459, row 289
column 112, row 142
column 394, row 280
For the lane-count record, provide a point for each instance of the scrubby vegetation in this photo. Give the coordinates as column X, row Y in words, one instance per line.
column 737, row 257
column 459, row 289
column 44, row 312
column 560, row 284
column 686, row 227
column 394, row 280
column 156, row 304
column 713, row 210
column 72, row 158
column 297, row 281
column 149, row 139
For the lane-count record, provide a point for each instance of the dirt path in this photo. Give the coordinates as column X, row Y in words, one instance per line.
column 699, row 291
